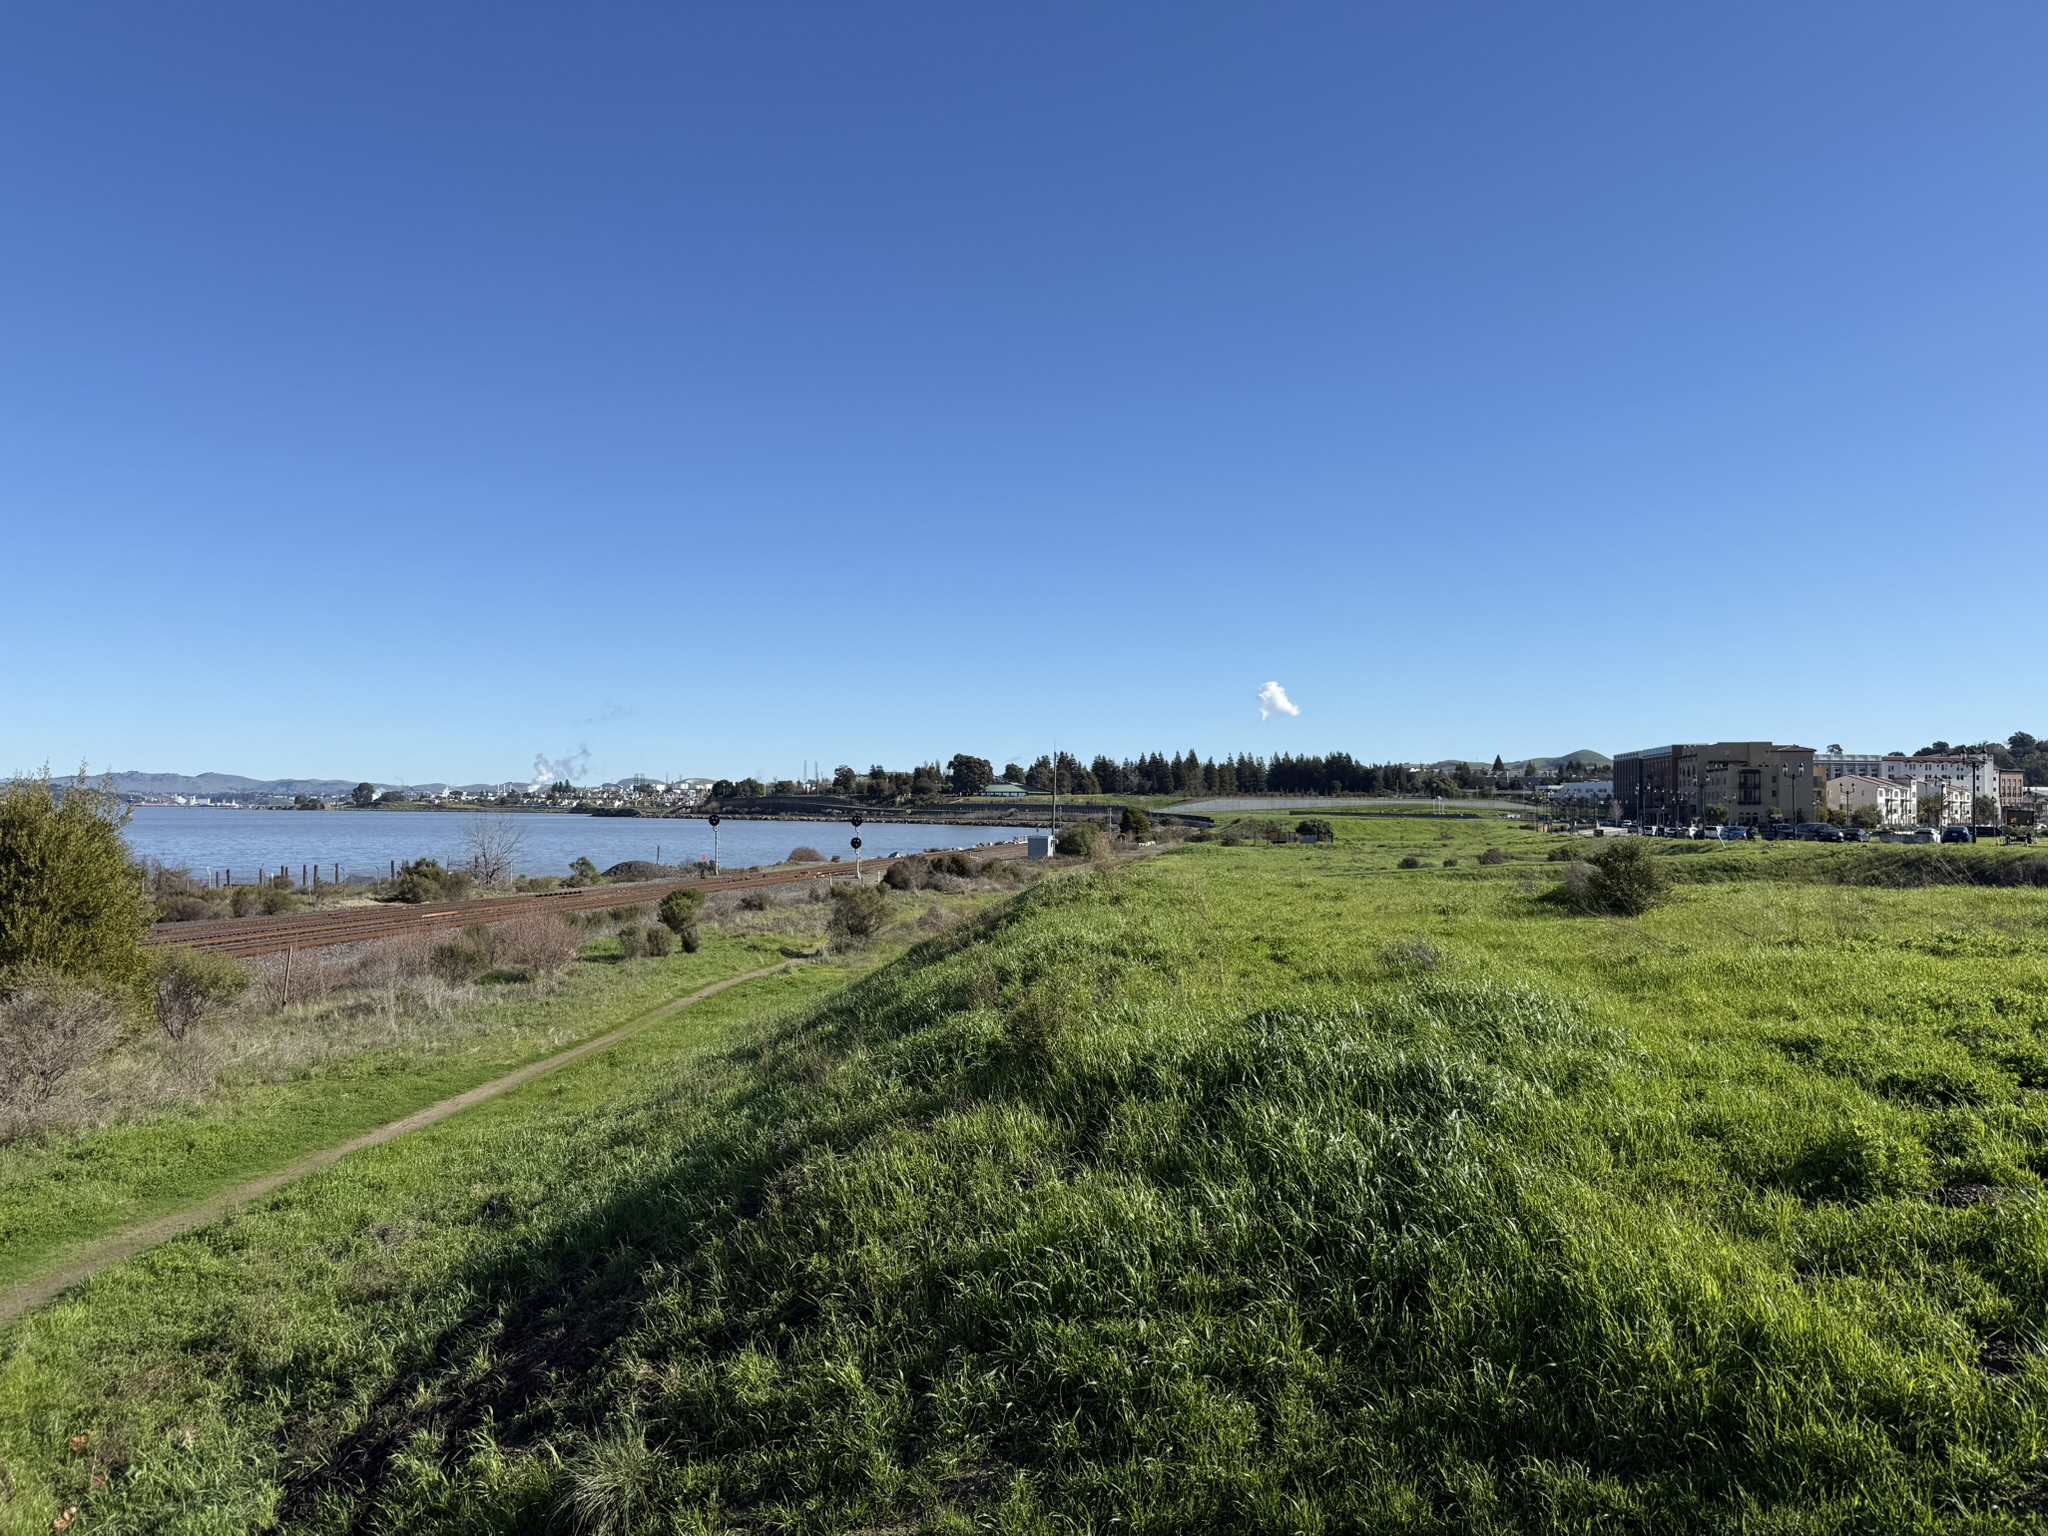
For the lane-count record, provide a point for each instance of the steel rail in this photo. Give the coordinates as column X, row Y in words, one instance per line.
column 247, row 937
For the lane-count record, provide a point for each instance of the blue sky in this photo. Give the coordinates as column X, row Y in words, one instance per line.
column 405, row 391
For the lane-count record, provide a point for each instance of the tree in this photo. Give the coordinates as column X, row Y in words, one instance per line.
column 493, row 844
column 1012, row 774
column 1868, row 817
column 584, row 872
column 722, row 789
column 1137, row 825
column 1498, row 765
column 392, row 797
column 969, row 775
column 1715, row 815
column 842, row 779
column 1984, row 810
column 70, row 901
column 363, row 796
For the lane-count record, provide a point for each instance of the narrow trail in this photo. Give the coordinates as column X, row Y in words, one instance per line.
column 112, row 1249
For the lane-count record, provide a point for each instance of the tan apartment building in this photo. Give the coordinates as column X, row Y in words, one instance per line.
column 1755, row 783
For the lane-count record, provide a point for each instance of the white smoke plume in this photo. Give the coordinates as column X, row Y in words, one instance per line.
column 567, row 769
column 1273, row 701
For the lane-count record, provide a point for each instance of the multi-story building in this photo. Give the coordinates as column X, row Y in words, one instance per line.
column 1896, row 801
column 1753, row 783
column 2012, row 792
column 1976, row 772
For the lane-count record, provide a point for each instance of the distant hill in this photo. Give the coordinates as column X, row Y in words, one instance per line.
column 1585, row 758
column 219, row 786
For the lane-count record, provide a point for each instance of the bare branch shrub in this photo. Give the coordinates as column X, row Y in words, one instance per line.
column 805, row 855
column 493, row 845
column 50, row 1028
column 190, row 983
column 538, row 943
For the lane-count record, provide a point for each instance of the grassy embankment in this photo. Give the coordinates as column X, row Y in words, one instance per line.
column 1255, row 1188
column 59, row 1192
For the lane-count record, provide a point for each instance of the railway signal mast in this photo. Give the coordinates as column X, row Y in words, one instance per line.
column 856, row 818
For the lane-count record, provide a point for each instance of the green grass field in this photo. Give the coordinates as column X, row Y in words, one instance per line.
column 1256, row 1188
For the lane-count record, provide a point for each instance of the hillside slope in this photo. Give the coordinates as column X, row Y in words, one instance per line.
column 1261, row 1189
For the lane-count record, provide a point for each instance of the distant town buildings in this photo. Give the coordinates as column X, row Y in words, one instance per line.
column 1975, row 773
column 1744, row 783
column 1896, row 801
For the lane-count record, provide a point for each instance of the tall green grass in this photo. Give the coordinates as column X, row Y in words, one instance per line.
column 1256, row 1189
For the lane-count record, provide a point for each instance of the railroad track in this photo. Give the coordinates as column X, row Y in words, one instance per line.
column 249, row 936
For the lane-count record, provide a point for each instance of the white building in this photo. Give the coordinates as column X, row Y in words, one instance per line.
column 1959, row 777
column 1896, row 801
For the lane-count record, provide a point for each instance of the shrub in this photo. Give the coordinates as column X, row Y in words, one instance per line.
column 51, row 1025
column 1495, row 856
column 190, row 982
column 468, row 955
column 1082, row 840
column 756, row 901
column 1409, row 862
column 858, row 911
column 805, row 855
column 632, row 944
column 680, row 910
column 903, row 875
column 1624, row 879
column 1136, row 825
column 70, row 902
column 657, row 940
column 957, row 865
column 425, row 880
column 184, row 909
column 583, row 872
column 691, row 940
column 538, row 943
column 1560, row 855
column 1315, row 827
column 1450, row 863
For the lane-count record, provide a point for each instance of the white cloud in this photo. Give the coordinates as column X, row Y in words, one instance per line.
column 1273, row 701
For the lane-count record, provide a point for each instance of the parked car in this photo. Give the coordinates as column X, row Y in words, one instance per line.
column 1958, row 835
column 1853, row 834
column 1734, row 834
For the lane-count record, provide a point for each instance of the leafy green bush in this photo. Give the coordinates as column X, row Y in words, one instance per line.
column 1316, row 827
column 1495, row 856
column 956, row 864
column 70, row 901
column 1136, row 824
column 680, row 910
column 191, row 982
column 425, row 880
column 657, row 940
column 1623, row 879
column 1409, row 861
column 1081, row 840
column 904, row 875
column 858, row 911
column 632, row 944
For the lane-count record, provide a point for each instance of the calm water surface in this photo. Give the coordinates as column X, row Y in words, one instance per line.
column 205, row 838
